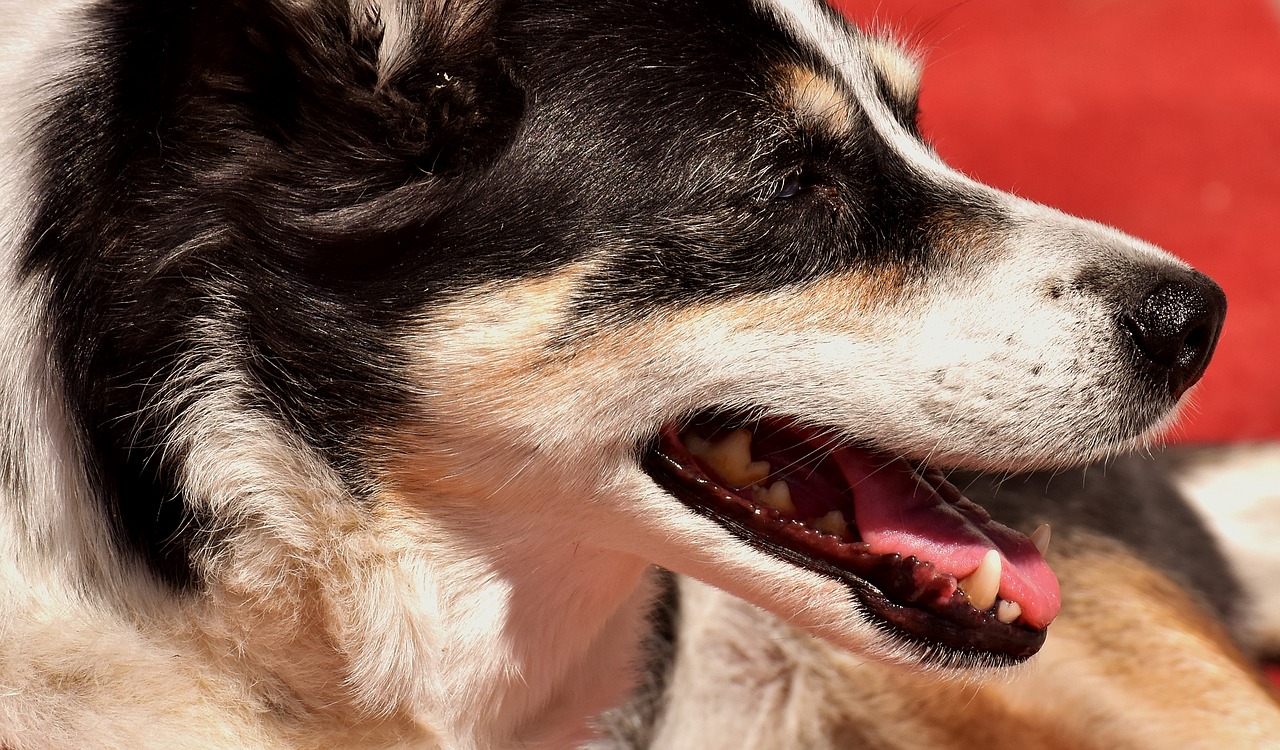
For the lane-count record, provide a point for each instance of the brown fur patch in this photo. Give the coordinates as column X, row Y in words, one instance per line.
column 496, row 371
column 819, row 101
column 968, row 235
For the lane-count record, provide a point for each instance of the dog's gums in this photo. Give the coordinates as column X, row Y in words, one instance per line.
column 929, row 563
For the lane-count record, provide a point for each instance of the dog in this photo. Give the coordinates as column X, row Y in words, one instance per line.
column 1155, row 647
column 364, row 359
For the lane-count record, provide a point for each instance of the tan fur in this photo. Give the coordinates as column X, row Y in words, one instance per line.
column 492, row 361
column 817, row 100
column 490, row 591
column 1132, row 663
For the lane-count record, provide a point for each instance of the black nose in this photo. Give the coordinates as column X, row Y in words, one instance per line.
column 1176, row 325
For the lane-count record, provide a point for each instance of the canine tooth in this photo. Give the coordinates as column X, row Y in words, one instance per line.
column 982, row 585
column 1040, row 538
column 1007, row 611
column 777, row 496
column 832, row 523
column 730, row 456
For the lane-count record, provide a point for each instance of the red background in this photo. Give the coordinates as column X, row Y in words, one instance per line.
column 1160, row 117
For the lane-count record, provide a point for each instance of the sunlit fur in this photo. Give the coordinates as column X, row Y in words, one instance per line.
column 334, row 330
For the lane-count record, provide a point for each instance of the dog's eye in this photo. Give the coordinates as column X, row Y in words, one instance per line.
column 794, row 184
column 790, row 186
column 797, row 183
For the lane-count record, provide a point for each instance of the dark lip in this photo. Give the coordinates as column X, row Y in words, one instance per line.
column 950, row 632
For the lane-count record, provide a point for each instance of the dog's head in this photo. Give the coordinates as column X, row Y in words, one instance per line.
column 673, row 281
column 768, row 310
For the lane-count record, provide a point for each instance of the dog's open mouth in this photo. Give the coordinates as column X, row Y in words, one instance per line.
column 930, row 564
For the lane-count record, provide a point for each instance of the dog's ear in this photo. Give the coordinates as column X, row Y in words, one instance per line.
column 419, row 83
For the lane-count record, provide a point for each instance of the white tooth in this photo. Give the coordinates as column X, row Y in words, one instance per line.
column 778, row 497
column 982, row 585
column 1008, row 611
column 833, row 523
column 1040, row 538
column 730, row 456
column 696, row 445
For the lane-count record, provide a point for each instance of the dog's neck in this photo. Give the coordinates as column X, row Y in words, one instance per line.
column 324, row 616
column 533, row 632
column 479, row 633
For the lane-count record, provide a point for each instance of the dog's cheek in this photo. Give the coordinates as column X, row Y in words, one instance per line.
column 518, row 391
column 499, row 407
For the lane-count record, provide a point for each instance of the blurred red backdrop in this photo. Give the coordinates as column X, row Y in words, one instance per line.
column 1160, row 117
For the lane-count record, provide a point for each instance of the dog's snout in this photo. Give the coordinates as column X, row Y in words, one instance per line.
column 1176, row 326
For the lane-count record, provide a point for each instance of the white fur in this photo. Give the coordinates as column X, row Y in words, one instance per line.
column 400, row 23
column 1237, row 492
column 395, row 21
column 67, row 605
column 492, row 595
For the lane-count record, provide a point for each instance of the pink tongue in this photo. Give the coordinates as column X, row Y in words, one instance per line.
column 898, row 511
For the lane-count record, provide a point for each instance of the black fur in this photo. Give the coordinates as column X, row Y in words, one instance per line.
column 199, row 176
column 676, row 235
column 242, row 167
